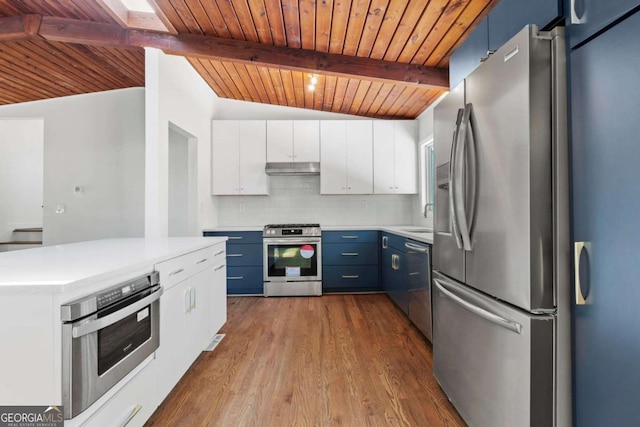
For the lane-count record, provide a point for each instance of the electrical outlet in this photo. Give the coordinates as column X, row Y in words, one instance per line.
column 363, row 204
column 242, row 207
column 60, row 209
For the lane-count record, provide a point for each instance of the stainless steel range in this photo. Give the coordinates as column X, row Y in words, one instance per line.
column 292, row 259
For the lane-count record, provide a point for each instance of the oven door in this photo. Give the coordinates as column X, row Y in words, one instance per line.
column 101, row 349
column 292, row 259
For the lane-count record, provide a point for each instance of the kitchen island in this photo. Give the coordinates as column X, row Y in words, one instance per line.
column 34, row 283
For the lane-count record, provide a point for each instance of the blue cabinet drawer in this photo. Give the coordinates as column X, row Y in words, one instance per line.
column 237, row 237
column 351, row 278
column 390, row 240
column 244, row 280
column 244, row 255
column 350, row 254
column 360, row 236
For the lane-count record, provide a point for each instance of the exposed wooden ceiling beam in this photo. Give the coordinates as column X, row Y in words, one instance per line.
column 215, row 48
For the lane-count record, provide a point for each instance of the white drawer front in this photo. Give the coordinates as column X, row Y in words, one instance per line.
column 133, row 405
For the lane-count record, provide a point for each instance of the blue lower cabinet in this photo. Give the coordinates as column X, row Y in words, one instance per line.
column 394, row 271
column 244, row 261
column 247, row 280
column 244, row 255
column 350, row 261
column 350, row 253
column 350, row 278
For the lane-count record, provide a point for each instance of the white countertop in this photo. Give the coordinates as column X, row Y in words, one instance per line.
column 62, row 268
column 410, row 231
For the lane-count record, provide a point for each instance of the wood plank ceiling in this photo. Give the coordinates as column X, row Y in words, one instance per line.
column 421, row 32
column 36, row 69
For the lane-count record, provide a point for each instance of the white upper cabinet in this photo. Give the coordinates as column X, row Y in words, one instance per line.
column 346, row 149
column 306, row 141
column 394, row 157
column 293, row 141
column 239, row 154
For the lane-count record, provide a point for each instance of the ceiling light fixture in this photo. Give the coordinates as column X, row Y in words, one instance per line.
column 313, row 81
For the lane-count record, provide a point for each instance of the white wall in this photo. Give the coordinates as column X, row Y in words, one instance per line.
column 21, row 174
column 425, row 131
column 176, row 94
column 95, row 141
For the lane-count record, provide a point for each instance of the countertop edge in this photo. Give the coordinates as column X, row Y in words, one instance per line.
column 401, row 230
column 126, row 269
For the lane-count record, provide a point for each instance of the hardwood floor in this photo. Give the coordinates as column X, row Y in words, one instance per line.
column 335, row 360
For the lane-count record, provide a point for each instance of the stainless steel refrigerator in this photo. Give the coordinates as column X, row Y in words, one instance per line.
column 501, row 321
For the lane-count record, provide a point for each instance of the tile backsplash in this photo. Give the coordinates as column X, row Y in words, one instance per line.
column 294, row 199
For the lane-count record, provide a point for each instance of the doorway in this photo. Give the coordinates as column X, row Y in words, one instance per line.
column 21, row 180
column 183, row 183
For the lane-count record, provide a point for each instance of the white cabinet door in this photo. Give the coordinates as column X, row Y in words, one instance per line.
column 132, row 406
column 225, row 157
column 383, row 157
column 172, row 356
column 198, row 316
column 333, row 157
column 280, row 138
column 306, row 141
column 395, row 158
column 253, row 156
column 217, row 298
column 406, row 135
column 359, row 157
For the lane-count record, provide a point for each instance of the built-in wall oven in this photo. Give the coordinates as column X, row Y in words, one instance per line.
column 105, row 336
column 292, row 259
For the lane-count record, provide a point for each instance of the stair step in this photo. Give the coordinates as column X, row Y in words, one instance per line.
column 22, row 242
column 28, row 230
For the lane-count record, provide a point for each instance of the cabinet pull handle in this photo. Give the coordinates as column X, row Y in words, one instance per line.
column 235, row 277
column 218, row 253
column 414, row 273
column 133, row 413
column 193, row 298
column 349, row 237
column 187, row 300
column 350, row 254
column 395, row 264
column 581, row 272
column 235, row 237
column 202, row 260
column 352, row 276
column 220, row 267
column 234, row 255
column 178, row 271
column 384, row 242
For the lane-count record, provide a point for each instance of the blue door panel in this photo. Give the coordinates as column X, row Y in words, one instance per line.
column 351, row 278
column 605, row 94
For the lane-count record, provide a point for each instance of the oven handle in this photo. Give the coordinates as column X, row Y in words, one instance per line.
column 103, row 322
column 291, row 240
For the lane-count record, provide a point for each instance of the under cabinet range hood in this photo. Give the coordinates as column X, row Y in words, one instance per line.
column 292, row 168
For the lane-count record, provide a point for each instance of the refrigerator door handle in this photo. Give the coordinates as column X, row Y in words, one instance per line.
column 465, row 168
column 493, row 318
column 453, row 209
